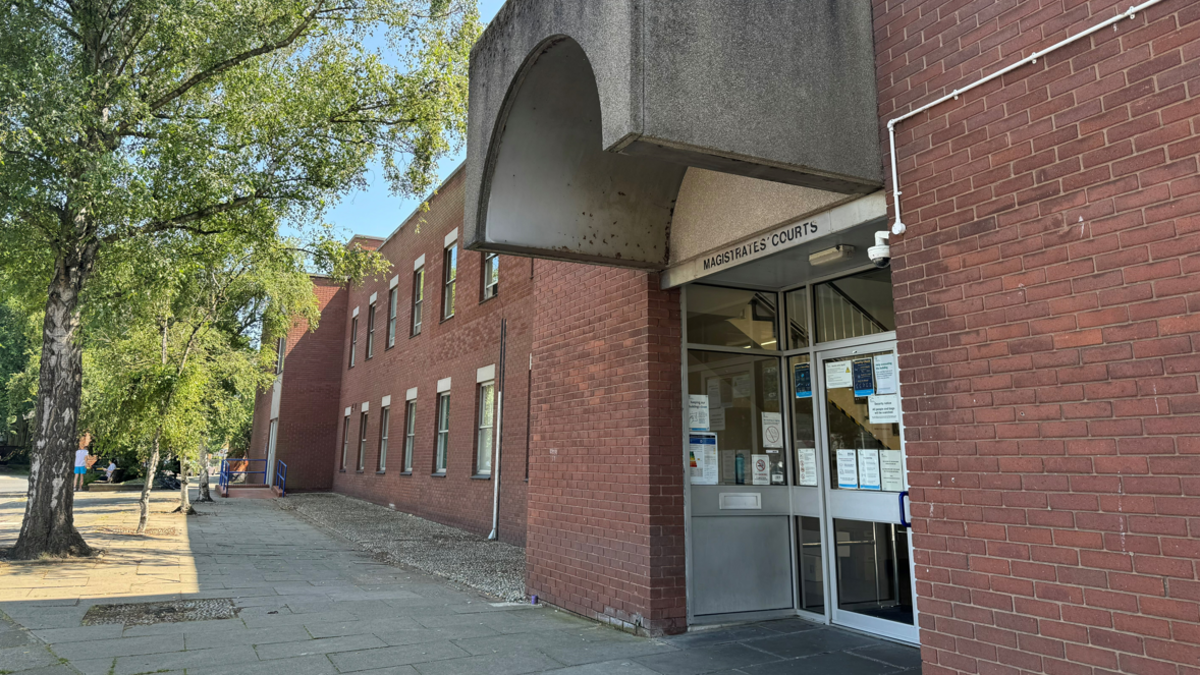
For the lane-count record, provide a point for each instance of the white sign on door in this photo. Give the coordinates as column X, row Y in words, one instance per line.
column 760, row 466
column 847, row 469
column 772, row 430
column 698, row 412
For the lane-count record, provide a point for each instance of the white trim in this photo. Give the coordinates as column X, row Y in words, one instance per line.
column 349, row 409
column 443, row 385
column 394, row 282
column 485, row 374
column 419, row 262
column 366, row 406
column 411, row 395
column 374, row 297
column 386, row 401
column 354, row 313
column 451, row 237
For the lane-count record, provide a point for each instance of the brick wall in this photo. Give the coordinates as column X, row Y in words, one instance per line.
column 312, row 379
column 1048, row 297
column 453, row 348
column 605, row 489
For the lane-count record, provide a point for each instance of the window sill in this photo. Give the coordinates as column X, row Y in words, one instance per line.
column 438, row 474
column 405, row 473
column 341, row 471
column 416, row 334
column 482, row 476
column 358, row 471
column 446, row 318
column 380, row 472
column 489, row 299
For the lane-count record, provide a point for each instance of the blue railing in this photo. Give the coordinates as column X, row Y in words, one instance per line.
column 233, row 468
column 281, row 477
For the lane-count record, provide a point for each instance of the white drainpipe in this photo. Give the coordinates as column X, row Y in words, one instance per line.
column 898, row 226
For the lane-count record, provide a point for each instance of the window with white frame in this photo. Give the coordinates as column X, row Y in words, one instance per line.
column 371, row 330
column 449, row 277
column 487, row 422
column 418, row 299
column 345, row 440
column 362, row 441
column 443, row 432
column 280, row 351
column 391, row 328
column 384, row 414
column 410, row 434
column 353, row 339
column 491, row 275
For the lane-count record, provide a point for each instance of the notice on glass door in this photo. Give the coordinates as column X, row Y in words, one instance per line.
column 703, row 458
column 891, row 470
column 838, row 375
column 772, row 430
column 883, row 409
column 743, row 386
column 847, row 469
column 885, row 374
column 803, row 378
column 862, row 371
column 868, row 469
column 806, row 460
column 698, row 412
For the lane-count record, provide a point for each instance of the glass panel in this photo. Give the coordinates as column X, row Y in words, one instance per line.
column 804, row 437
column 744, row 411
column 487, row 402
column 873, row 575
column 812, row 580
column 383, row 438
column 863, row 422
column 797, row 318
column 729, row 317
column 410, row 432
column 855, row 306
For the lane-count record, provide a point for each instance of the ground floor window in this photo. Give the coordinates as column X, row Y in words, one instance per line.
column 384, row 414
column 362, row 442
column 483, row 438
column 443, row 432
column 410, row 434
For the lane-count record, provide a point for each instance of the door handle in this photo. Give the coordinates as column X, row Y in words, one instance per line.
column 903, row 522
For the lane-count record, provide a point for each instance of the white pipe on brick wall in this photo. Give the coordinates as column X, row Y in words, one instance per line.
column 898, row 227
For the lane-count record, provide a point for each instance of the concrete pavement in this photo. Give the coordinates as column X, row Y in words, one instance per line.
column 13, row 483
column 309, row 603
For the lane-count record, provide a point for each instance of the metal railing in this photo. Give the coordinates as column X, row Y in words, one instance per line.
column 232, row 469
column 281, row 477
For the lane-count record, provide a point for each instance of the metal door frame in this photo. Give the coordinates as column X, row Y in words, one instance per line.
column 877, row 626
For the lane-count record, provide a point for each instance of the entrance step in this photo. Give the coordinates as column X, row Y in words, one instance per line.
column 249, row 492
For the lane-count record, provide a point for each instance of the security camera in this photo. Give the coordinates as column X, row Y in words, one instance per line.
column 880, row 253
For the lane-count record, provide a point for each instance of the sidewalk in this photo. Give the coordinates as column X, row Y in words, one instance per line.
column 304, row 602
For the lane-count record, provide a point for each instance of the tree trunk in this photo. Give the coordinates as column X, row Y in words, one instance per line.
column 204, row 495
column 49, row 525
column 185, row 503
column 144, row 502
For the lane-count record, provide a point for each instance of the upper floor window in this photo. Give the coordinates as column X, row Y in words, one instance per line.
column 449, row 275
column 353, row 339
column 491, row 275
column 391, row 328
column 487, row 421
column 418, row 299
column 371, row 330
column 280, row 352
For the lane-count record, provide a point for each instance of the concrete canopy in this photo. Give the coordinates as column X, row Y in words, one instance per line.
column 586, row 115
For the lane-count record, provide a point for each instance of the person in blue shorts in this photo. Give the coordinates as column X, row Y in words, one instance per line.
column 81, row 460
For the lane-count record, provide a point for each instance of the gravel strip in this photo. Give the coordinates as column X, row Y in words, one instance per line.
column 493, row 567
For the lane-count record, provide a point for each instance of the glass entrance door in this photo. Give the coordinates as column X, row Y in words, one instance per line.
column 868, row 552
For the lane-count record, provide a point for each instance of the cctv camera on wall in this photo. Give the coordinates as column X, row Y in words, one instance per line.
column 881, row 253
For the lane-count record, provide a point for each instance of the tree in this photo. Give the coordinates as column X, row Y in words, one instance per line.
column 123, row 120
column 15, row 348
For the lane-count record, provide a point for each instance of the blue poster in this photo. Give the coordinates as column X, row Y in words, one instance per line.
column 864, row 377
column 803, row 381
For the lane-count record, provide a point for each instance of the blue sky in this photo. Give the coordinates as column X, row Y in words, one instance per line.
column 375, row 210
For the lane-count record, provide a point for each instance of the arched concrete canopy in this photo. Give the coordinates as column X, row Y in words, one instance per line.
column 585, row 115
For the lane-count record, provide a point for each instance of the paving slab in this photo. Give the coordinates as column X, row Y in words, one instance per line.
column 308, row 602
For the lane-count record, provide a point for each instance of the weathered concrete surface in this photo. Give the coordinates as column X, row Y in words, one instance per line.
column 573, row 103
column 311, row 604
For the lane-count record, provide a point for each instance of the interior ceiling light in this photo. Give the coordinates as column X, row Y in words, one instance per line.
column 828, row 255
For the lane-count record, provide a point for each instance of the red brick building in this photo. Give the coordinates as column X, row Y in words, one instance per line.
column 732, row 402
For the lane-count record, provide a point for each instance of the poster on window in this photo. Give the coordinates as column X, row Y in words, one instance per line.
column 716, row 419
column 885, row 374
column 883, row 409
column 770, row 383
column 806, row 459
column 743, row 386
column 847, row 469
column 702, row 450
column 837, row 375
column 698, row 412
column 863, row 373
column 760, row 467
column 868, row 469
column 891, row 470
column 803, row 381
column 772, row 430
